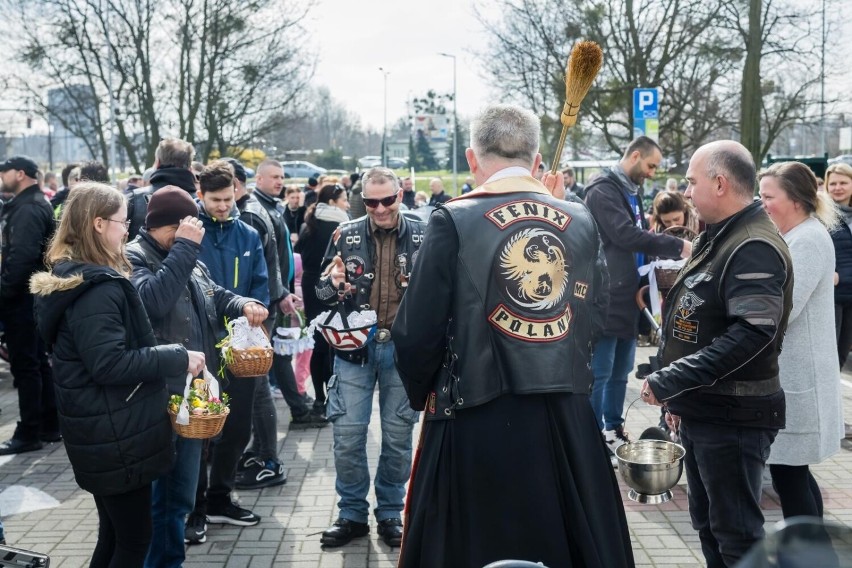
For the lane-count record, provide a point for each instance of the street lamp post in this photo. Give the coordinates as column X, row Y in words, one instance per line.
column 385, row 125
column 455, row 127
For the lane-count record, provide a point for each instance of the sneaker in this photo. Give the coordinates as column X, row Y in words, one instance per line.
column 276, row 393
column 614, row 439
column 231, row 514
column 269, row 474
column 248, row 461
column 308, row 420
column 196, row 529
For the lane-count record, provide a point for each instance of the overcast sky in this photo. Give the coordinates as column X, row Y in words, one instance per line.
column 355, row 38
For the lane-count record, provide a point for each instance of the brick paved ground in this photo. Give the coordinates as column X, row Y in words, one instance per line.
column 44, row 510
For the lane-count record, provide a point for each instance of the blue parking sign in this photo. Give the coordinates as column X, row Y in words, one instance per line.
column 646, row 103
column 646, row 113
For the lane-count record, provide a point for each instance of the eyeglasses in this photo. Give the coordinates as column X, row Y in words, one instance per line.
column 125, row 223
column 386, row 201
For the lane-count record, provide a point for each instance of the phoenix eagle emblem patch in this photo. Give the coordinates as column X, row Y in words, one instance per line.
column 534, row 269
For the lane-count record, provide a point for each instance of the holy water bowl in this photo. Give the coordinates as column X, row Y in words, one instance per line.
column 650, row 468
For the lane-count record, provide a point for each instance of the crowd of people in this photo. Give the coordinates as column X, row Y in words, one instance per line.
column 503, row 315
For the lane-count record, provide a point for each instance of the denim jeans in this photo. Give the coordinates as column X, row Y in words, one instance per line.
column 172, row 499
column 264, row 423
column 612, row 361
column 724, row 470
column 350, row 404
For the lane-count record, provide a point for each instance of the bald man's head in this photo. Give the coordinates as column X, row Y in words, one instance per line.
column 732, row 160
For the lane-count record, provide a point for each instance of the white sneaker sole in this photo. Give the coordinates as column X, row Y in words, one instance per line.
column 221, row 519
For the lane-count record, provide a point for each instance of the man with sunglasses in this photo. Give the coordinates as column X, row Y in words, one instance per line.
column 372, row 258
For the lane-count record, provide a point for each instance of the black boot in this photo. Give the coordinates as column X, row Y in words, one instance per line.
column 344, row 531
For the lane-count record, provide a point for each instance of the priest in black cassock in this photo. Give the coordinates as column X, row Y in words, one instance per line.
column 493, row 339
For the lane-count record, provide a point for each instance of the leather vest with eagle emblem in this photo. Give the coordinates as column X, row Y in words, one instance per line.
column 530, row 294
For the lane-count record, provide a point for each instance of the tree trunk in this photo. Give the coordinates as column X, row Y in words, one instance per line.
column 751, row 95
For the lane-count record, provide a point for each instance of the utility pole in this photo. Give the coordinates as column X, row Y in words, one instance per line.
column 455, row 127
column 385, row 125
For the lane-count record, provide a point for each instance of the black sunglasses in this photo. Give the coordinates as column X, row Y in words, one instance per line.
column 386, row 201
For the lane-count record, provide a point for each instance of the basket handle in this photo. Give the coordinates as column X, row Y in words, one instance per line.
column 182, row 417
column 342, row 308
column 680, row 231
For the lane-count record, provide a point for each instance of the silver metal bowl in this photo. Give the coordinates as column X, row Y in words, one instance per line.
column 650, row 468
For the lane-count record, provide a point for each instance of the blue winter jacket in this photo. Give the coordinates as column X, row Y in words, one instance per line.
column 233, row 254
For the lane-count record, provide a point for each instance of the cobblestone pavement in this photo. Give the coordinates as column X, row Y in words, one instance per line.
column 44, row 510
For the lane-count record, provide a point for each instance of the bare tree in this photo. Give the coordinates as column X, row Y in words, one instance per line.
column 778, row 81
column 214, row 75
column 690, row 49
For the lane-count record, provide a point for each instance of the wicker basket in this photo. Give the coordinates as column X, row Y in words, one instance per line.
column 201, row 426
column 665, row 278
column 254, row 362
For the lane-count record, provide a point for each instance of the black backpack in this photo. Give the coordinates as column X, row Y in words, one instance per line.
column 137, row 208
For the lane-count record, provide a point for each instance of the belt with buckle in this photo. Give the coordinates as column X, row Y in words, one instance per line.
column 383, row 335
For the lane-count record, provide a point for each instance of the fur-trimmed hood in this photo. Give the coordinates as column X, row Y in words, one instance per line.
column 55, row 291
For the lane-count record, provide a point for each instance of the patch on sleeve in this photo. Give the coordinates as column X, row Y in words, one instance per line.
column 754, row 276
column 757, row 310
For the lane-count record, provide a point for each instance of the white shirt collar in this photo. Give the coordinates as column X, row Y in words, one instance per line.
column 511, row 171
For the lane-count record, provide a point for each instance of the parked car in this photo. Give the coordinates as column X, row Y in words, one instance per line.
column 845, row 158
column 301, row 169
column 397, row 163
column 370, row 161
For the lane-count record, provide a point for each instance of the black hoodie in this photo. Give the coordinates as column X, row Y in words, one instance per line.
column 108, row 376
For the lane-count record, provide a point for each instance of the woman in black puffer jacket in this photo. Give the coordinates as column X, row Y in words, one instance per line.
column 838, row 182
column 108, row 370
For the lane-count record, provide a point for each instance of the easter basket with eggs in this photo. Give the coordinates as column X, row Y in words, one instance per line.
column 246, row 350
column 200, row 413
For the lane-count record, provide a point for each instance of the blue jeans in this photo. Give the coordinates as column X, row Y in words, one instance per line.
column 350, row 404
column 724, row 470
column 612, row 361
column 172, row 498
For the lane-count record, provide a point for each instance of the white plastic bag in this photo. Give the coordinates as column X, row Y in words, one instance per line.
column 212, row 391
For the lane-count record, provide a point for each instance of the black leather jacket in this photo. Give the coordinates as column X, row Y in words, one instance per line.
column 254, row 214
column 724, row 323
column 176, row 291
column 27, row 225
column 356, row 248
column 509, row 294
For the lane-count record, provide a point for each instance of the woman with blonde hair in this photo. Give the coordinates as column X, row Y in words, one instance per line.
column 807, row 366
column 838, row 181
column 110, row 391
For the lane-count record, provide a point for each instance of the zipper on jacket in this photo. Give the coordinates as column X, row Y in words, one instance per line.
column 236, row 271
column 132, row 393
